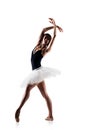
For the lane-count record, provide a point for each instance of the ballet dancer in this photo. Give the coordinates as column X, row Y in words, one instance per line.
column 39, row 73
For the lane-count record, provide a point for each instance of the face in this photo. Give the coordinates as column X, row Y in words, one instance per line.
column 46, row 41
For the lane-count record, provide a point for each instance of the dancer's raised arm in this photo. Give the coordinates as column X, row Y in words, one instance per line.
column 54, row 34
column 47, row 29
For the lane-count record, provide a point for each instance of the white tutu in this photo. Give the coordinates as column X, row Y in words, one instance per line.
column 38, row 75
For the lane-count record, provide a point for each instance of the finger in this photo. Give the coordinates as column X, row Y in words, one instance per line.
column 61, row 30
column 50, row 21
column 50, row 18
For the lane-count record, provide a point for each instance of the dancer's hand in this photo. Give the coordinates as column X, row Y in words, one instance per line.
column 59, row 28
column 51, row 20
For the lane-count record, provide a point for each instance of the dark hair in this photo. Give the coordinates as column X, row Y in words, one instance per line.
column 48, row 36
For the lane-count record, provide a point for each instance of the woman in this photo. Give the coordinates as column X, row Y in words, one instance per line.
column 39, row 73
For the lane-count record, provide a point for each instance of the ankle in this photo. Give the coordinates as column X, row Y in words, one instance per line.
column 49, row 118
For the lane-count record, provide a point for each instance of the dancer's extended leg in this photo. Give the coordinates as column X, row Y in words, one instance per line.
column 43, row 91
column 25, row 98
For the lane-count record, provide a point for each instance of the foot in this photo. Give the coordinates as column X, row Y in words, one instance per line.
column 49, row 118
column 17, row 113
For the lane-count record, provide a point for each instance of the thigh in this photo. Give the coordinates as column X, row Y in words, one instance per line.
column 42, row 87
column 30, row 86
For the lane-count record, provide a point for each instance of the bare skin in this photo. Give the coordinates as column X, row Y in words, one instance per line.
column 25, row 98
column 43, row 46
column 42, row 88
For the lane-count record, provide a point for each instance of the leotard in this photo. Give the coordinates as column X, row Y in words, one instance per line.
column 36, row 59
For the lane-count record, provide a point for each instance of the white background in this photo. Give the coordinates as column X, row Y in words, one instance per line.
column 21, row 22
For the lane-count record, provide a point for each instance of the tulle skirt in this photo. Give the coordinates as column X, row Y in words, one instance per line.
column 39, row 74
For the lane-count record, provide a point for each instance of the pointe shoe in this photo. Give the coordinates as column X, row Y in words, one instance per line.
column 17, row 113
column 49, row 118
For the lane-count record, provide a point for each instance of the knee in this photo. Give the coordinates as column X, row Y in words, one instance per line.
column 29, row 87
column 45, row 96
